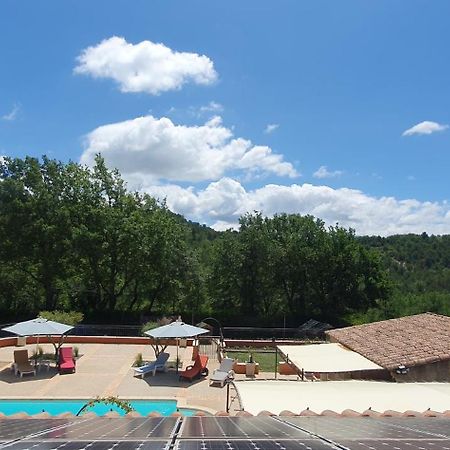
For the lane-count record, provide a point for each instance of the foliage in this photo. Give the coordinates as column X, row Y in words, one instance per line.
column 111, row 400
column 138, row 361
column 76, row 351
column 294, row 264
column 73, row 238
column 66, row 317
column 149, row 326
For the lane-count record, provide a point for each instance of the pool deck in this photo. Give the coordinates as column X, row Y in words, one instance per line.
column 106, row 369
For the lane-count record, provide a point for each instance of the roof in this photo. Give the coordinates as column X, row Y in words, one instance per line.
column 410, row 341
column 326, row 358
column 339, row 396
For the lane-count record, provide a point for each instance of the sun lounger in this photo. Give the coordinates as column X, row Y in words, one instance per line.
column 223, row 373
column 21, row 364
column 197, row 369
column 66, row 360
column 159, row 364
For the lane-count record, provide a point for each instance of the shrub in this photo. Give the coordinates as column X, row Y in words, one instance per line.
column 138, row 361
column 67, row 317
column 155, row 324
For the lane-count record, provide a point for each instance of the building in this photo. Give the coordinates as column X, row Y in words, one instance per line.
column 412, row 348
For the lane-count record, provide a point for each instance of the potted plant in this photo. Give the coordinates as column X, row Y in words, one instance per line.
column 250, row 366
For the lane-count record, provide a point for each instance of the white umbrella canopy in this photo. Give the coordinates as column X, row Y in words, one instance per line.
column 41, row 327
column 38, row 327
column 174, row 330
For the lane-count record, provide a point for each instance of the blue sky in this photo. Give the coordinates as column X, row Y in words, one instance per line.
column 340, row 83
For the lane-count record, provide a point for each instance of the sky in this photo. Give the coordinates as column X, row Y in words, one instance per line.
column 335, row 109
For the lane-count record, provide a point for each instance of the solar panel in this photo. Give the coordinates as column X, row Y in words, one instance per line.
column 89, row 445
column 128, row 429
column 11, row 429
column 406, row 444
column 432, row 426
column 253, row 444
column 226, row 433
column 335, row 428
column 238, row 427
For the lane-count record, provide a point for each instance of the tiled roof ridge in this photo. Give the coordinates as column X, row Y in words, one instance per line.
column 411, row 340
column 286, row 413
column 394, row 319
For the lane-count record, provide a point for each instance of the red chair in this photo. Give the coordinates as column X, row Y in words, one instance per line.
column 197, row 370
column 66, row 360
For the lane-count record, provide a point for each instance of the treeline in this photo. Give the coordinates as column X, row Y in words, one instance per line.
column 74, row 238
column 419, row 270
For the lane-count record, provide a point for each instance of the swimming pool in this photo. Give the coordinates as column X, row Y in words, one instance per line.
column 55, row 407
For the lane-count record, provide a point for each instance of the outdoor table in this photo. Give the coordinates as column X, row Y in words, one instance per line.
column 43, row 363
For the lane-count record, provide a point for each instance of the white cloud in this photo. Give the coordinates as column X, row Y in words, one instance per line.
column 221, row 204
column 425, row 127
column 323, row 172
column 211, row 107
column 12, row 115
column 148, row 148
column 144, row 67
column 271, row 127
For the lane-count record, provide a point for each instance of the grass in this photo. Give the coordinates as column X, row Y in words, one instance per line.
column 265, row 359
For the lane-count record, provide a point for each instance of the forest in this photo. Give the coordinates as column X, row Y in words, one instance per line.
column 74, row 238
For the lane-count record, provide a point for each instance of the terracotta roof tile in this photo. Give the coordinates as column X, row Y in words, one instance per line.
column 413, row 340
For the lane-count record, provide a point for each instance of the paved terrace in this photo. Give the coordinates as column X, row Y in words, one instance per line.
column 106, row 369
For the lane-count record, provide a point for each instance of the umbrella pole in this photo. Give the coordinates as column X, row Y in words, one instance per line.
column 176, row 362
column 37, row 353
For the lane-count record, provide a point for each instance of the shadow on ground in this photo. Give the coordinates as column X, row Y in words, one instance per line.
column 7, row 375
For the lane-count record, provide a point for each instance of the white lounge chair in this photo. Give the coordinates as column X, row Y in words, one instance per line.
column 159, row 364
column 223, row 373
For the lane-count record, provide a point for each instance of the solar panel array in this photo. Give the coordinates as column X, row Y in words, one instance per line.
column 226, row 433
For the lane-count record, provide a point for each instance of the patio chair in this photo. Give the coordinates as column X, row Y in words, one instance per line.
column 198, row 369
column 223, row 373
column 159, row 364
column 66, row 360
column 21, row 363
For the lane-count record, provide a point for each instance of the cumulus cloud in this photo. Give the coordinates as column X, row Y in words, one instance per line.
column 144, row 67
column 149, row 148
column 271, row 127
column 425, row 127
column 12, row 115
column 323, row 172
column 222, row 202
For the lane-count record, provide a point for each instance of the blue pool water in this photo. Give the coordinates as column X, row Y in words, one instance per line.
column 54, row 407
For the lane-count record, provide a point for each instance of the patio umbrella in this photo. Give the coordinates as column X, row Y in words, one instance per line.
column 40, row 327
column 176, row 330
